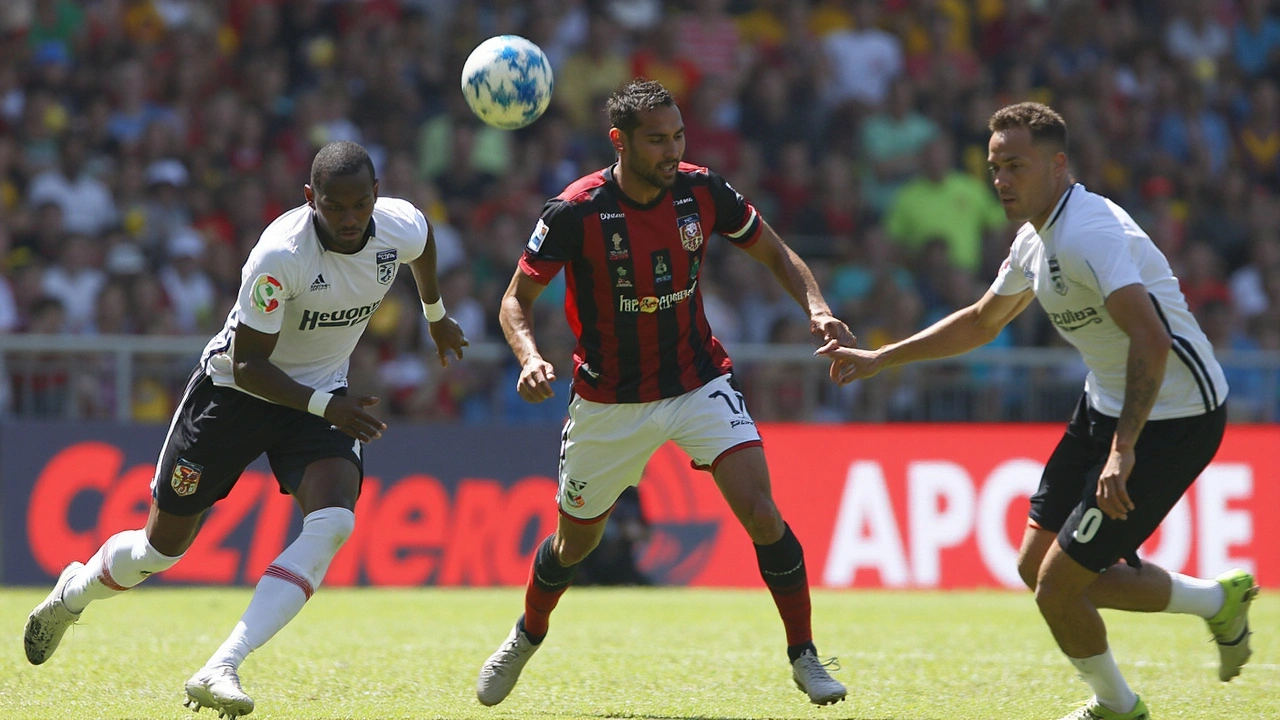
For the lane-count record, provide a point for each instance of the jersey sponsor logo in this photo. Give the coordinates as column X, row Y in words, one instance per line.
column 1055, row 275
column 611, row 216
column 386, row 266
column 539, row 234
column 623, row 280
column 319, row 283
column 690, row 232
column 266, row 293
column 652, row 304
column 1072, row 320
column 186, row 477
column 694, row 264
column 683, row 201
column 617, row 251
column 338, row 318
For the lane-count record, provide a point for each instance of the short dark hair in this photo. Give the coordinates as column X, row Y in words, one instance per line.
column 1045, row 124
column 339, row 158
column 639, row 95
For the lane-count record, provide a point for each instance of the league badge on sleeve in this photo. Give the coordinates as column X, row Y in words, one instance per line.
column 539, row 234
column 266, row 293
column 690, row 232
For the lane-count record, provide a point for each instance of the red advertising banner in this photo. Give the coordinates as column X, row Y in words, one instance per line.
column 917, row 506
column 945, row 506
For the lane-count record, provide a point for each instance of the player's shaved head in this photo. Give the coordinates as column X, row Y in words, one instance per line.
column 638, row 96
column 1045, row 124
column 339, row 159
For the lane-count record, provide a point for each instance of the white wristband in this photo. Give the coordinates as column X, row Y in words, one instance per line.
column 434, row 311
column 319, row 402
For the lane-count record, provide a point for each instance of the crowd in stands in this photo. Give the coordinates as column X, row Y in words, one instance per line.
column 145, row 144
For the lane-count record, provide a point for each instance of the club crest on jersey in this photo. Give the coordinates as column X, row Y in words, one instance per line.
column 1055, row 275
column 616, row 250
column 690, row 232
column 266, row 293
column 386, row 266
column 186, row 477
column 539, row 234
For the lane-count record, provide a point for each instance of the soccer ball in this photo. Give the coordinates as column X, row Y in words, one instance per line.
column 507, row 81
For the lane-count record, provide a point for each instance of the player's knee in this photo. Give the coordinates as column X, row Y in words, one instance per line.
column 763, row 522
column 1028, row 570
column 333, row 525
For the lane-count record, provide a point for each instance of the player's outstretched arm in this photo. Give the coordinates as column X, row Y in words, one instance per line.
column 956, row 334
column 251, row 364
column 445, row 331
column 796, row 278
column 516, row 318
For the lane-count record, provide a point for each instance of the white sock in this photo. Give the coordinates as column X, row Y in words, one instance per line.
column 1194, row 596
column 1108, row 684
column 122, row 562
column 287, row 584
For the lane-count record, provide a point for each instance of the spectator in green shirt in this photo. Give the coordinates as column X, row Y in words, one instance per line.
column 944, row 203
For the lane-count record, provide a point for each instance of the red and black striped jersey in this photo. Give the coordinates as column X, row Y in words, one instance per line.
column 631, row 276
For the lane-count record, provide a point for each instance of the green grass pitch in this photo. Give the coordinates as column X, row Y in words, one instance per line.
column 614, row 653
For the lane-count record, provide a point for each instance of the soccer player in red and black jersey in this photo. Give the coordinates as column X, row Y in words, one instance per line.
column 631, row 239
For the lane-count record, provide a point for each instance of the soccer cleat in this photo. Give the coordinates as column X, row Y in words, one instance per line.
column 812, row 678
column 501, row 671
column 1094, row 710
column 1230, row 627
column 218, row 688
column 50, row 620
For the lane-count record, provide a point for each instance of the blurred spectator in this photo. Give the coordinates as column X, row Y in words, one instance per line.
column 861, row 61
column 191, row 293
column 948, row 204
column 86, row 203
column 1257, row 40
column 893, row 143
column 75, row 280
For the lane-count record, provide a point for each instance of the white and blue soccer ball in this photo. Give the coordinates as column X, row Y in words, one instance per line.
column 507, row 81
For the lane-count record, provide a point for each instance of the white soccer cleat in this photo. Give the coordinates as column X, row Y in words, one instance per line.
column 1230, row 627
column 218, row 688
column 50, row 620
column 812, row 678
column 500, row 672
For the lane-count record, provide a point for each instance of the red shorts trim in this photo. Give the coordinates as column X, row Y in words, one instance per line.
column 740, row 446
column 589, row 521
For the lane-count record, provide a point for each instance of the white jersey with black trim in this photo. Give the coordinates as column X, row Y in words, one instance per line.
column 1090, row 248
column 319, row 301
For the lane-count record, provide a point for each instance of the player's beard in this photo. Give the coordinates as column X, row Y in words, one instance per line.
column 654, row 177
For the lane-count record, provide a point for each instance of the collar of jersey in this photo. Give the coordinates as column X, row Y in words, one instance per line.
column 1057, row 212
column 616, row 189
column 364, row 241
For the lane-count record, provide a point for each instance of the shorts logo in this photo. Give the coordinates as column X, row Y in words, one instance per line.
column 186, row 477
column 573, row 493
column 266, row 293
column 386, row 266
column 690, row 232
column 539, row 234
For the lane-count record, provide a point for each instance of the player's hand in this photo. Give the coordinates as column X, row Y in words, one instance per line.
column 447, row 335
column 850, row 363
column 825, row 327
column 346, row 412
column 535, row 380
column 1113, row 495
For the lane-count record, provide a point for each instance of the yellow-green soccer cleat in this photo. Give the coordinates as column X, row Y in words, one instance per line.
column 1230, row 627
column 1095, row 711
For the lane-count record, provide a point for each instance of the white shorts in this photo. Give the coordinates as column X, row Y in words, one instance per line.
column 605, row 446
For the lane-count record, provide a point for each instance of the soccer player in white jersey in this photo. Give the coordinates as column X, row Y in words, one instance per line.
column 1150, row 420
column 273, row 381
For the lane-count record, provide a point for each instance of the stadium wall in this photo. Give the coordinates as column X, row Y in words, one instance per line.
column 903, row 506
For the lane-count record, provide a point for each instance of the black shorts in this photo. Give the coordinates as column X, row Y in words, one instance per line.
column 217, row 431
column 1170, row 455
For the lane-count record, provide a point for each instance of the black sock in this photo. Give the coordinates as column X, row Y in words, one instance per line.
column 795, row 651
column 548, row 573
